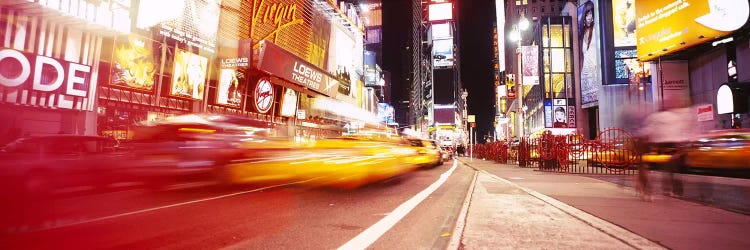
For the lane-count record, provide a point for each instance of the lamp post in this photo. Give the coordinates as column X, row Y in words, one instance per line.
column 523, row 24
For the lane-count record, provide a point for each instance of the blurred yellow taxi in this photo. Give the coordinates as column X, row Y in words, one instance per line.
column 728, row 149
column 346, row 162
column 616, row 155
column 428, row 152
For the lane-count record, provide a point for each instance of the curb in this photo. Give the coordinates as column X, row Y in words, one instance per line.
column 626, row 236
column 458, row 231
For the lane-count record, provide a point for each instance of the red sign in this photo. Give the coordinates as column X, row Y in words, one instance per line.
column 571, row 116
column 263, row 95
column 41, row 73
column 276, row 61
column 29, row 79
column 705, row 112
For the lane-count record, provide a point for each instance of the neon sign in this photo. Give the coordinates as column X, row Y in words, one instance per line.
column 279, row 14
column 263, row 96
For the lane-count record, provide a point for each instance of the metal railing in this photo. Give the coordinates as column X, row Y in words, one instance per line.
column 612, row 152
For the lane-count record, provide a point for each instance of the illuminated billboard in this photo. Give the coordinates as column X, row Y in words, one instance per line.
column 441, row 31
column 289, row 103
column 530, row 64
column 386, row 113
column 189, row 75
column 294, row 25
column 500, row 18
column 623, row 18
column 443, row 53
column 46, row 81
column 231, row 85
column 190, row 22
column 346, row 58
column 133, row 63
column 440, row 11
column 666, row 26
column 589, row 52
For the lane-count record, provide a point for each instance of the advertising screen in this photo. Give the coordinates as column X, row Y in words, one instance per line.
column 385, row 113
column 666, row 26
column 500, row 18
column 345, row 58
column 133, row 63
column 231, row 85
column 590, row 56
column 443, row 53
column 530, row 64
column 374, row 35
column 232, row 75
column 190, row 22
column 289, row 103
column 441, row 11
column 623, row 18
column 189, row 75
column 441, row 31
column 445, row 87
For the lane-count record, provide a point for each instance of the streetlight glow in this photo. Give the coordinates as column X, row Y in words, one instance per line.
column 523, row 24
column 515, row 35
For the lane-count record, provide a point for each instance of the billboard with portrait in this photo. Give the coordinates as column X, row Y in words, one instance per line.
column 589, row 52
column 232, row 82
column 288, row 103
column 189, row 75
column 133, row 63
column 530, row 64
column 560, row 117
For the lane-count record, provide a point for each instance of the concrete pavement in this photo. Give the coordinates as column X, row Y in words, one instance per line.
column 519, row 208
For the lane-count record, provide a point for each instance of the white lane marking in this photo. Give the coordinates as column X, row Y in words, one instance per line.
column 374, row 232
column 169, row 206
column 458, row 232
column 624, row 235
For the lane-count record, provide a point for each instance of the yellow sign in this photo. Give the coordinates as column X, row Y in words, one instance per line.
column 666, row 26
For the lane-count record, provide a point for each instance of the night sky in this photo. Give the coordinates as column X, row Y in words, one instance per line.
column 476, row 54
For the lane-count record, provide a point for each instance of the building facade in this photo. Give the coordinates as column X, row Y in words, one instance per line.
column 101, row 67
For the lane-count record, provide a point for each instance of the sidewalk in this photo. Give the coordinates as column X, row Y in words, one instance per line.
column 519, row 208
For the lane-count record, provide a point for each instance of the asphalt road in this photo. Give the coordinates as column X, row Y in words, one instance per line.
column 281, row 215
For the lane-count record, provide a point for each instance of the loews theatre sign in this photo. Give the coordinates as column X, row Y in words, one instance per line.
column 37, row 80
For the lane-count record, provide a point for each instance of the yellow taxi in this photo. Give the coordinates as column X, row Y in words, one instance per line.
column 346, row 162
column 727, row 149
column 429, row 153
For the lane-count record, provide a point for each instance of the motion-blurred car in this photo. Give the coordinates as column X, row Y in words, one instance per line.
column 447, row 153
column 613, row 155
column 39, row 165
column 429, row 154
column 728, row 149
column 189, row 147
column 346, row 162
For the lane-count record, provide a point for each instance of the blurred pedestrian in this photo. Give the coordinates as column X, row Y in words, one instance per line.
column 634, row 121
column 667, row 130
